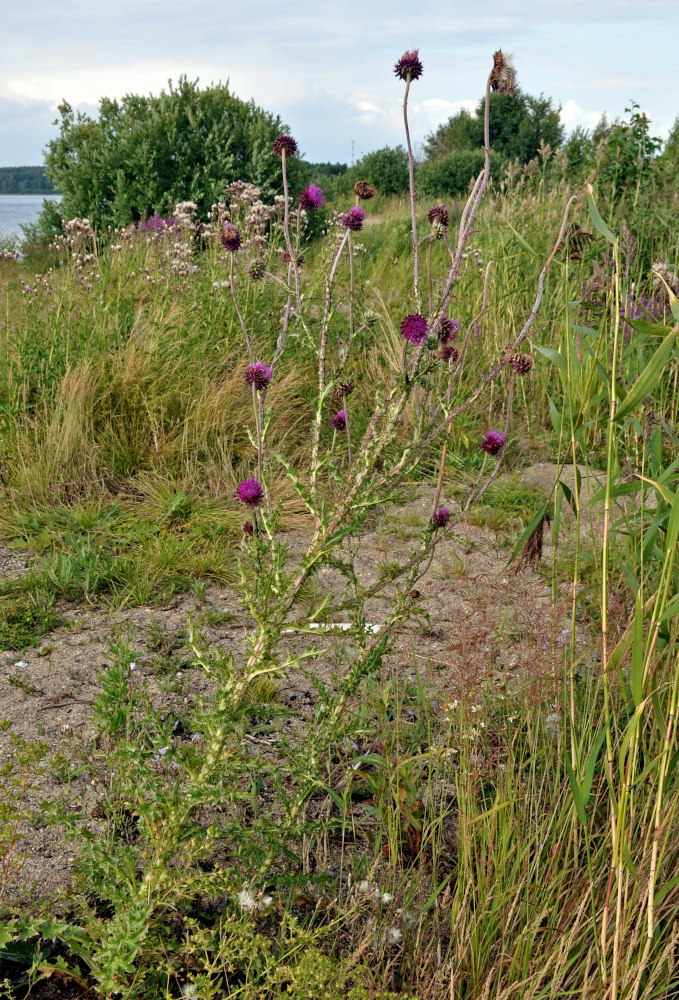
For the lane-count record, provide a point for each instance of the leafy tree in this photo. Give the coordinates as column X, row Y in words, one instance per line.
column 145, row 153
column 518, row 126
column 386, row 168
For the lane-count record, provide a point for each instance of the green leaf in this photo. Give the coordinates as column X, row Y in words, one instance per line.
column 577, row 794
column 596, row 218
column 649, row 378
column 556, row 358
column 638, row 651
column 630, row 733
column 591, row 766
column 650, row 329
column 522, row 241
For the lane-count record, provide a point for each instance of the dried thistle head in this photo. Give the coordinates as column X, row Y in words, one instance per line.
column 521, row 363
column 575, row 241
column 364, row 190
column 502, row 75
column 439, row 213
column 285, row 144
column 409, row 66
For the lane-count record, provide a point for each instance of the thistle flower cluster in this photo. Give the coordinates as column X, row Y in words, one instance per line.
column 414, row 328
column 285, row 144
column 250, row 492
column 448, row 353
column 231, row 238
column 521, row 363
column 440, row 214
column 339, row 421
column 493, row 442
column 409, row 66
column 448, row 329
column 258, row 375
column 311, row 197
column 440, row 517
column 353, row 220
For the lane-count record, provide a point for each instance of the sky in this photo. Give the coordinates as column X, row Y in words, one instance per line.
column 327, row 68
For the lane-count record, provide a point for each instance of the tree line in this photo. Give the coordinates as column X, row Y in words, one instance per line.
column 25, row 180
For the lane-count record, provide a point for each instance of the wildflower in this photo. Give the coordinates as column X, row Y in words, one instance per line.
column 364, row 190
column 133, row 665
column 440, row 517
column 409, row 66
column 231, row 237
column 493, row 442
column 311, row 197
column 414, row 328
column 448, row 353
column 448, row 329
column 246, row 900
column 285, row 144
column 259, row 375
column 521, row 363
column 345, row 388
column 248, row 528
column 339, row 421
column 439, row 213
column 353, row 220
column 250, row 492
column 387, row 898
column 503, row 75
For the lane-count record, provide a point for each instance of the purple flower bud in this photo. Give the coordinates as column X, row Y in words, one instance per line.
column 339, row 421
column 311, row 197
column 448, row 329
column 409, row 66
column 448, row 353
column 258, row 374
column 414, row 328
column 493, row 442
column 353, row 220
column 440, row 517
column 250, row 492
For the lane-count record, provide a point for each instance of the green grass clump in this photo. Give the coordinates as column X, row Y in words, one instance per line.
column 23, row 623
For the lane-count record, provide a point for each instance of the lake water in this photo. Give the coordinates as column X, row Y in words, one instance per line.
column 17, row 210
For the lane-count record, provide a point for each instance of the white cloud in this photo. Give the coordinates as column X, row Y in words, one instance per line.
column 572, row 116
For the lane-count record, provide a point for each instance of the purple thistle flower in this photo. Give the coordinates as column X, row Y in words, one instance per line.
column 448, row 329
column 258, row 374
column 414, row 328
column 311, row 197
column 448, row 353
column 493, row 442
column 353, row 220
column 409, row 66
column 285, row 143
column 231, row 237
column 440, row 517
column 339, row 421
column 439, row 213
column 250, row 492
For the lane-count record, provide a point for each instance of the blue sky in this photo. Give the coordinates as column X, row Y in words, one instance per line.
column 327, row 68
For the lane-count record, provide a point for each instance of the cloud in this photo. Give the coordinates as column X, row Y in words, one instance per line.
column 572, row 116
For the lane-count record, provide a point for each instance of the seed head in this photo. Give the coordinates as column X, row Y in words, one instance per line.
column 364, row 190
column 311, row 197
column 502, row 75
column 448, row 329
column 521, row 363
column 409, row 66
column 414, row 328
column 493, row 442
column 339, row 421
column 285, row 143
column 341, row 390
column 439, row 213
column 250, row 492
column 231, row 237
column 353, row 220
column 440, row 517
column 255, row 269
column 258, row 374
